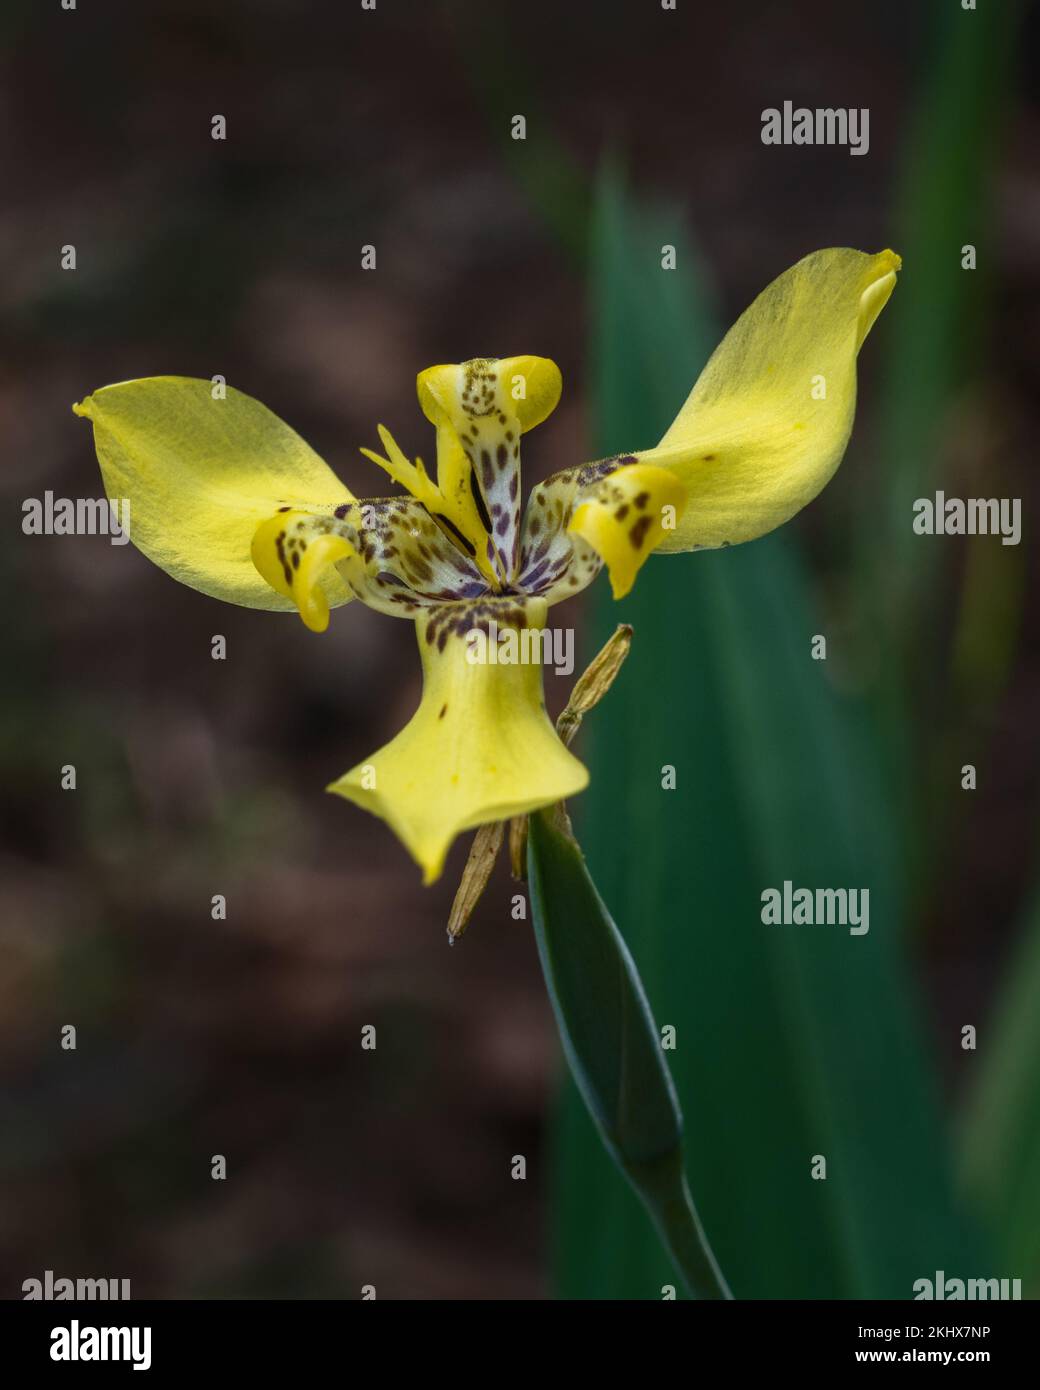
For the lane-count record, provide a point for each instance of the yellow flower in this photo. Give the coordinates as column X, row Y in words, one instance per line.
column 227, row 498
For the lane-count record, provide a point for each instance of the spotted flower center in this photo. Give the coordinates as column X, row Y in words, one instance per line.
column 458, row 537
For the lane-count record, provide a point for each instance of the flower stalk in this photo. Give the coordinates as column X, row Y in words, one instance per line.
column 613, row 1046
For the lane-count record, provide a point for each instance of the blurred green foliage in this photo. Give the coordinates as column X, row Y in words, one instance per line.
column 793, row 1044
column 790, row 1043
column 943, row 204
column 1001, row 1129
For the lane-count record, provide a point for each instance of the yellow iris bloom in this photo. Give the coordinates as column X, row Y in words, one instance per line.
column 227, row 498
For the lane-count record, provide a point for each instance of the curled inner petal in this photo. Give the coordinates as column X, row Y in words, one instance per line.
column 556, row 562
column 293, row 550
column 387, row 552
column 480, row 747
column 627, row 516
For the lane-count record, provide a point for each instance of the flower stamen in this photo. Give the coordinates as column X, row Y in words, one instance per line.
column 459, row 522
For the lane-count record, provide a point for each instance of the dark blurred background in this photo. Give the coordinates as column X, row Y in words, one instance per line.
column 195, row 777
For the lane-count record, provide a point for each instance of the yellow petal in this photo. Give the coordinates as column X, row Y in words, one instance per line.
column 294, row 552
column 200, row 475
column 628, row 515
column 479, row 748
column 532, row 386
column 480, row 409
column 525, row 387
column 766, row 425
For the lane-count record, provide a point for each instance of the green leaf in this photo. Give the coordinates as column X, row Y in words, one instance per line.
column 944, row 201
column 933, row 339
column 791, row 1041
column 612, row 1043
column 1001, row 1126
